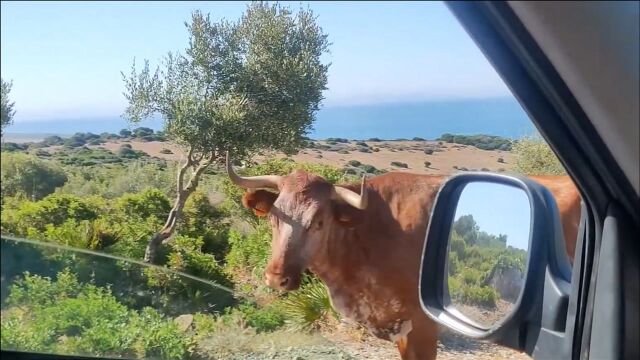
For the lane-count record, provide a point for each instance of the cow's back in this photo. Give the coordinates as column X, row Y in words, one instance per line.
column 568, row 200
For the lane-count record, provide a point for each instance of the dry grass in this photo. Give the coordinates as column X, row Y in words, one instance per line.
column 443, row 159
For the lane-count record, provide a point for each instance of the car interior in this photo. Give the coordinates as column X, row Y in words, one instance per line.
column 547, row 53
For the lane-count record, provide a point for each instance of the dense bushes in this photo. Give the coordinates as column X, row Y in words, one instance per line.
column 13, row 147
column 535, row 157
column 337, row 140
column 54, row 209
column 263, row 319
column 150, row 202
column 84, row 156
column 27, row 175
column 484, row 142
column 474, row 256
column 249, row 253
column 66, row 316
column 118, row 179
column 355, row 167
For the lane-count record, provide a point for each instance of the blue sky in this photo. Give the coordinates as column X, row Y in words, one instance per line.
column 65, row 58
column 498, row 209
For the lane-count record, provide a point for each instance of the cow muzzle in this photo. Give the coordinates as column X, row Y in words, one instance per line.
column 282, row 281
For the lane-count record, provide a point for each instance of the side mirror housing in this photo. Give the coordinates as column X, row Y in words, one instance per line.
column 493, row 256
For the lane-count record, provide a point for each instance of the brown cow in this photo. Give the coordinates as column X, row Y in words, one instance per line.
column 366, row 249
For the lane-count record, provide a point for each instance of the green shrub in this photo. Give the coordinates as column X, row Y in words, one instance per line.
column 533, row 156
column 187, row 256
column 428, row 151
column 338, row 140
column 13, row 147
column 248, row 254
column 399, row 164
column 29, row 176
column 118, row 179
column 470, row 276
column 166, row 151
column 264, row 319
column 83, row 156
column 352, row 171
column 427, row 164
column 65, row 316
column 133, row 235
column 149, row 202
column 370, row 169
column 54, row 209
column 344, row 152
column 484, row 142
column 307, row 307
column 127, row 152
column 484, row 296
column 418, row 139
column 142, row 131
column 73, row 142
column 362, row 143
column 202, row 219
column 355, row 163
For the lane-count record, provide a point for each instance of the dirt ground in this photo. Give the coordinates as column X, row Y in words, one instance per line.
column 444, row 159
column 451, row 346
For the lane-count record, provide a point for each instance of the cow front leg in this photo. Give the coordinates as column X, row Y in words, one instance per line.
column 420, row 342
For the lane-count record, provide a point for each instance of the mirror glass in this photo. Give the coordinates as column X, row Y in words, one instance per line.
column 487, row 254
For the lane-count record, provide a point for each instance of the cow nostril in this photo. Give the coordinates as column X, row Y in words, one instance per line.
column 284, row 282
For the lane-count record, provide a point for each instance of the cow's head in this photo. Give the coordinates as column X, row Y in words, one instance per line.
column 304, row 210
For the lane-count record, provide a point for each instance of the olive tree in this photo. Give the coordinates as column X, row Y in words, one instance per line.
column 240, row 86
column 533, row 156
column 7, row 110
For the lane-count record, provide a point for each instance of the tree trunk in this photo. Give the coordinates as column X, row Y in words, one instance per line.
column 183, row 193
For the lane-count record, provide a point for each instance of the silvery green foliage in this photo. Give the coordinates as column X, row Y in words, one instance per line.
column 7, row 111
column 244, row 86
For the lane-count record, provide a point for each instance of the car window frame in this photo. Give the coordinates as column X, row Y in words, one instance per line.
column 535, row 83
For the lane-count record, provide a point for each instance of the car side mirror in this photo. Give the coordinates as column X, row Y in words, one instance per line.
column 486, row 258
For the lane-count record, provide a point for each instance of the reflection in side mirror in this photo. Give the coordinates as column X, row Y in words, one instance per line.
column 487, row 252
column 490, row 262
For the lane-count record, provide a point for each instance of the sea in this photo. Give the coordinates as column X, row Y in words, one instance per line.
column 425, row 119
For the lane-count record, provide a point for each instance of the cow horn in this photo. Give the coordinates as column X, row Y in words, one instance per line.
column 252, row 182
column 351, row 197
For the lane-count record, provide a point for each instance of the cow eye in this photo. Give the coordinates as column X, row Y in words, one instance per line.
column 319, row 224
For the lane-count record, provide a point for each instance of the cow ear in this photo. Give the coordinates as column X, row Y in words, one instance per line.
column 346, row 215
column 260, row 201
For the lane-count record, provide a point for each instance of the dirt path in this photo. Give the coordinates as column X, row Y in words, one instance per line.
column 450, row 347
